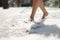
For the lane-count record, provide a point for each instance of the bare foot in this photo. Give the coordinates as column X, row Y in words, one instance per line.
column 44, row 15
column 31, row 18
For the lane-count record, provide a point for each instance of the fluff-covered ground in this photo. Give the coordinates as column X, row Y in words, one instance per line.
column 14, row 23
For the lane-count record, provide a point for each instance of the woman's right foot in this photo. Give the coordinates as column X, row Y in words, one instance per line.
column 31, row 18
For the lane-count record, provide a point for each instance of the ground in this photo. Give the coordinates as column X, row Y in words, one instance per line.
column 14, row 23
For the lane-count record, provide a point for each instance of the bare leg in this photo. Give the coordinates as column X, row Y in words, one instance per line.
column 37, row 3
column 41, row 5
column 35, row 6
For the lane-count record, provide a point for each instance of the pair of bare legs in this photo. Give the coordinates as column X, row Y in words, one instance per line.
column 36, row 4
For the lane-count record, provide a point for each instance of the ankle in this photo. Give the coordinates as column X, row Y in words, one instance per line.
column 45, row 13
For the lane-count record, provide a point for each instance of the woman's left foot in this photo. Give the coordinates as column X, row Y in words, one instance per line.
column 44, row 15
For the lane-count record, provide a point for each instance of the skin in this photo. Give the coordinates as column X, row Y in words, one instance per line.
column 36, row 4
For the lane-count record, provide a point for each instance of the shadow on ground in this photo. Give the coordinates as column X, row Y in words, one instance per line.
column 43, row 29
